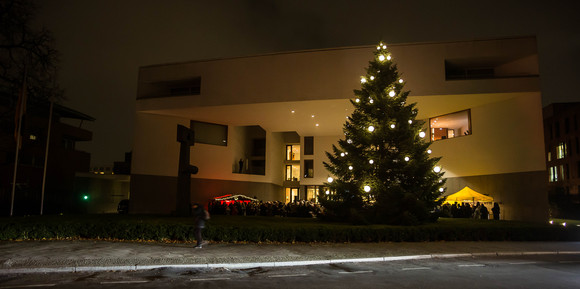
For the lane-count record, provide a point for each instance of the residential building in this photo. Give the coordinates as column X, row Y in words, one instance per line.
column 264, row 123
column 562, row 153
column 64, row 161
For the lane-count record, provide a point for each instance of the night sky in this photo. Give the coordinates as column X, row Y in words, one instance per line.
column 103, row 43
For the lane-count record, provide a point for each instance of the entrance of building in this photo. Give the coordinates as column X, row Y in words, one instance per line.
column 292, row 194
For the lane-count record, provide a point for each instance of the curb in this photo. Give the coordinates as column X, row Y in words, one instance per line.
column 273, row 264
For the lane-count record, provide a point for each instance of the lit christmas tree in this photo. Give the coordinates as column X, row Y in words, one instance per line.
column 382, row 169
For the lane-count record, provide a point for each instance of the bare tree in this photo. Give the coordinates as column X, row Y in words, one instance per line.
column 28, row 53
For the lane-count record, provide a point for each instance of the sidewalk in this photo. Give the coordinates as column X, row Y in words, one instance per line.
column 86, row 255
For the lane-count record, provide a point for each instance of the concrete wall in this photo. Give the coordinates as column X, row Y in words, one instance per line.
column 156, row 194
column 156, row 159
column 507, row 137
column 522, row 196
column 322, row 144
column 334, row 73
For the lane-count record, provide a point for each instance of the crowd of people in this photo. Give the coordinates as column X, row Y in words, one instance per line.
column 304, row 209
column 308, row 209
column 467, row 210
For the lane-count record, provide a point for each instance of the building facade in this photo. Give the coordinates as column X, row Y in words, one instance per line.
column 562, row 153
column 64, row 161
column 263, row 123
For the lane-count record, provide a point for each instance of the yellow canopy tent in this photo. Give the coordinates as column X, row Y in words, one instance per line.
column 467, row 195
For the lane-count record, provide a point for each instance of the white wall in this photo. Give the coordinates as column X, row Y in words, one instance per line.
column 507, row 138
column 155, row 149
column 322, row 144
column 156, row 152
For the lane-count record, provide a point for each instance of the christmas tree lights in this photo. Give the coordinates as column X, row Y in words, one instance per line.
column 383, row 152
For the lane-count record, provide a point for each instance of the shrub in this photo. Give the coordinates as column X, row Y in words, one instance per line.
column 268, row 229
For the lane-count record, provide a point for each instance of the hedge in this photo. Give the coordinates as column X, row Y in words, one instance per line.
column 273, row 229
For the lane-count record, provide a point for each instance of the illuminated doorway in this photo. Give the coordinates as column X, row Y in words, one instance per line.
column 292, row 194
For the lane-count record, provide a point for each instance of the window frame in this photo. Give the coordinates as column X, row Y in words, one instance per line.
column 434, row 119
column 308, row 164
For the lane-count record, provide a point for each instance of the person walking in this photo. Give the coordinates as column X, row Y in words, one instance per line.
column 200, row 216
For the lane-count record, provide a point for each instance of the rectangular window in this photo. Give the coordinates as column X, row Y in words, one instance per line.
column 312, row 193
column 553, row 174
column 292, row 194
column 549, row 156
column 292, row 172
column 557, row 129
column 184, row 87
column 68, row 143
column 210, row 133
column 450, row 125
column 566, row 125
column 561, row 151
column 292, row 152
column 561, row 173
column 309, row 168
column 308, row 145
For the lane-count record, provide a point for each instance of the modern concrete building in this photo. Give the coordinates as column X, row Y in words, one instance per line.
column 263, row 123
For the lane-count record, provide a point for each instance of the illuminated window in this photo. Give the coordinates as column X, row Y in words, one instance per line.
column 292, row 173
column 553, row 174
column 450, row 125
column 292, row 194
column 561, row 150
column 312, row 193
column 292, row 152
column 549, row 156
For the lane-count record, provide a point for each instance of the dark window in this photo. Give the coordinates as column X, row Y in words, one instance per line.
column 210, row 133
column 259, row 147
column 185, row 87
column 308, row 145
column 68, row 143
column 181, row 87
column 309, row 168
column 557, row 129
column 488, row 67
column 567, row 125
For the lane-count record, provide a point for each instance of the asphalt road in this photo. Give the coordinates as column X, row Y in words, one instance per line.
column 527, row 271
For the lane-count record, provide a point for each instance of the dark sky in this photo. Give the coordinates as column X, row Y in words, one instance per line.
column 103, row 43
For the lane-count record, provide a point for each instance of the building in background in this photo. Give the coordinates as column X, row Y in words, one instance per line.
column 562, row 144
column 64, row 161
column 263, row 123
column 105, row 186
